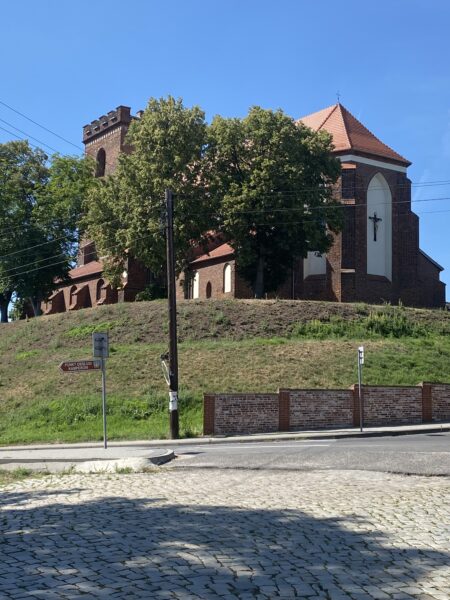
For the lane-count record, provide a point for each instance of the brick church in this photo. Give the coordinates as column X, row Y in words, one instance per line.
column 375, row 258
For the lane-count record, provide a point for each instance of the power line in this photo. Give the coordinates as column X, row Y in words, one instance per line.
column 361, row 187
column 255, row 212
column 63, row 237
column 19, row 138
column 41, row 126
column 35, row 262
column 325, row 207
column 29, row 136
column 276, row 224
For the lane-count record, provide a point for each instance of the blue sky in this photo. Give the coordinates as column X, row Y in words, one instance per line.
column 66, row 63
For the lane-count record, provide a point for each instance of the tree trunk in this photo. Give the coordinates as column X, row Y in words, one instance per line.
column 5, row 299
column 259, row 280
column 36, row 304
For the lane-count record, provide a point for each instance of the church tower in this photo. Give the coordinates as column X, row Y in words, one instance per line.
column 376, row 257
column 104, row 139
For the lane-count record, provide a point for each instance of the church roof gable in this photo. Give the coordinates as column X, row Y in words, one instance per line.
column 349, row 134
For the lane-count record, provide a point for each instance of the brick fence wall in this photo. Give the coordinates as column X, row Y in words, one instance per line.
column 390, row 405
column 228, row 414
column 440, row 395
column 241, row 413
column 311, row 409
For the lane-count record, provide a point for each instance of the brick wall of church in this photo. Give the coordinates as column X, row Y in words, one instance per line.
column 86, row 296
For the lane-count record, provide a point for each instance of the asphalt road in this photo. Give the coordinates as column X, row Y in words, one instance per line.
column 424, row 454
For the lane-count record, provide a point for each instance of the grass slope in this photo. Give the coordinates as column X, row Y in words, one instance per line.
column 224, row 346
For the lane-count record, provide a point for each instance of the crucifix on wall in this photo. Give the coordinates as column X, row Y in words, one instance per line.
column 375, row 220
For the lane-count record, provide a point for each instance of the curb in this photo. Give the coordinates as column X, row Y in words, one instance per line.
column 136, row 464
column 110, row 465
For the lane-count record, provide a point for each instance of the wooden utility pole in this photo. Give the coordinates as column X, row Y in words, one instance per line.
column 171, row 294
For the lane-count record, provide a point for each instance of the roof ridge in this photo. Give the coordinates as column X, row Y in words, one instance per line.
column 347, row 112
column 343, row 112
column 333, row 108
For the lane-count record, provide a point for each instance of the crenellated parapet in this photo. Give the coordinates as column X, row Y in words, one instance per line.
column 121, row 116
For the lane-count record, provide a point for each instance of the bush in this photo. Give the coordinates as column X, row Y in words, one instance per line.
column 154, row 291
column 386, row 322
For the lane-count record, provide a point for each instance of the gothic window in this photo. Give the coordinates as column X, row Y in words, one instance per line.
column 98, row 294
column 227, row 278
column 379, row 227
column 72, row 295
column 196, row 285
column 208, row 289
column 101, row 163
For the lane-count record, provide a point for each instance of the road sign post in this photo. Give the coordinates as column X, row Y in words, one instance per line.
column 100, row 350
column 105, row 438
column 360, row 364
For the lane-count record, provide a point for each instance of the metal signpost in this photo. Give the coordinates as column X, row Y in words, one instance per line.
column 100, row 350
column 360, row 364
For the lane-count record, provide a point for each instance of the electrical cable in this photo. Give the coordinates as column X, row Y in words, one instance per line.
column 20, row 138
column 256, row 212
column 41, row 126
column 29, row 136
column 94, row 252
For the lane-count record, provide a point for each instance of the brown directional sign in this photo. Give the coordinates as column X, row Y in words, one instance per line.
column 70, row 366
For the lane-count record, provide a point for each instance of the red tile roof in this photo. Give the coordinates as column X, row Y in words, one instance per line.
column 92, row 267
column 219, row 252
column 349, row 134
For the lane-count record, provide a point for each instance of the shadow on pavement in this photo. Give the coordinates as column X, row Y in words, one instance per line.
column 122, row 548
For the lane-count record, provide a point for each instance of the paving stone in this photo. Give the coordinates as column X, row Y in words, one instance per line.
column 226, row 534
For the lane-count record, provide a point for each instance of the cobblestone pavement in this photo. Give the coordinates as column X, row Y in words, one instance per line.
column 226, row 534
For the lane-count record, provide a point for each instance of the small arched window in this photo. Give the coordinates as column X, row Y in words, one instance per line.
column 196, row 286
column 101, row 163
column 99, row 290
column 72, row 296
column 208, row 289
column 227, row 278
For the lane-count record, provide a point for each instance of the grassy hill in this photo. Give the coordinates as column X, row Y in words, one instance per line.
column 224, row 346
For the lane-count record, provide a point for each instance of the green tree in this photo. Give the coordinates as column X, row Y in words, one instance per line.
column 39, row 210
column 22, row 171
column 60, row 199
column 273, row 178
column 125, row 215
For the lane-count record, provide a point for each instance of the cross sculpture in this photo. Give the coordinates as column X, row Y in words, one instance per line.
column 375, row 221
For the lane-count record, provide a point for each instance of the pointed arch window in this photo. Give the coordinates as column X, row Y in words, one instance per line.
column 379, row 227
column 196, row 285
column 99, row 290
column 101, row 163
column 72, row 295
column 227, row 278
